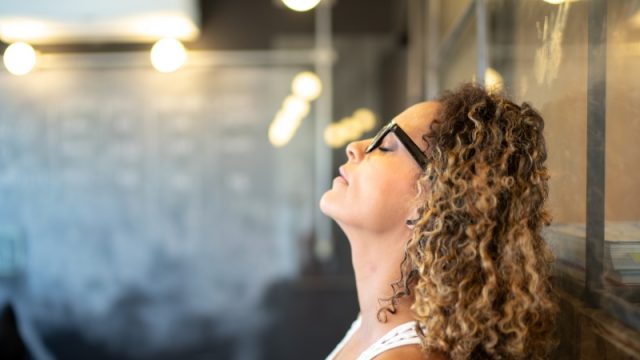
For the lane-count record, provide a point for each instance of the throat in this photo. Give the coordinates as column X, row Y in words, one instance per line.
column 375, row 276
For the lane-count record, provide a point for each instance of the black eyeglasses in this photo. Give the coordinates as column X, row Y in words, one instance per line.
column 411, row 146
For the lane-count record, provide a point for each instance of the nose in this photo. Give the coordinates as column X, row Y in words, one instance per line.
column 355, row 150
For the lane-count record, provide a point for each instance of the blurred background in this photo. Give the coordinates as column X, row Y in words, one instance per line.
column 161, row 163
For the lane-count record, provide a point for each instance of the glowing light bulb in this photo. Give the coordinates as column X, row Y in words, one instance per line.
column 353, row 127
column 342, row 135
column 168, row 55
column 301, row 5
column 493, row 80
column 330, row 137
column 279, row 135
column 335, row 135
column 282, row 128
column 287, row 120
column 19, row 58
column 366, row 118
column 295, row 106
column 307, row 85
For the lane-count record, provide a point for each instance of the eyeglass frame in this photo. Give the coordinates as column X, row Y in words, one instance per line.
column 405, row 139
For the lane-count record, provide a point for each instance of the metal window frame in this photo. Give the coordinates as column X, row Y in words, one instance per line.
column 435, row 59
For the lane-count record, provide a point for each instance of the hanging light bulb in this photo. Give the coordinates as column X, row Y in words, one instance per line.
column 366, row 117
column 19, row 58
column 295, row 106
column 330, row 135
column 283, row 127
column 493, row 81
column 168, row 55
column 307, row 85
column 301, row 5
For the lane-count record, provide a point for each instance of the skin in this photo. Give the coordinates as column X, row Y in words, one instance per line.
column 371, row 201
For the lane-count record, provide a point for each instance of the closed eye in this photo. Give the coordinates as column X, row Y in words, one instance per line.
column 383, row 149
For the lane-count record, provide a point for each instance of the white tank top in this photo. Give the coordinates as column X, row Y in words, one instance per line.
column 401, row 335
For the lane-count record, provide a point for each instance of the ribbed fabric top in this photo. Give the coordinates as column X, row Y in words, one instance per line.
column 401, row 335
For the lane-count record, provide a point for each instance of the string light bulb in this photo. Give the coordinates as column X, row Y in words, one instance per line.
column 306, row 85
column 366, row 117
column 168, row 55
column 19, row 58
column 493, row 81
column 295, row 106
column 349, row 128
column 283, row 127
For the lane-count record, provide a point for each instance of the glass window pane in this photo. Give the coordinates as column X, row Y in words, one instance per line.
column 450, row 13
column 151, row 208
column 622, row 191
column 457, row 59
column 539, row 51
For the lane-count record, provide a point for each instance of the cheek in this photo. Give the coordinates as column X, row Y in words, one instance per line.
column 377, row 198
column 390, row 185
column 386, row 200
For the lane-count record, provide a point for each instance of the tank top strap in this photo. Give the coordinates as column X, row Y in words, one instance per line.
column 401, row 335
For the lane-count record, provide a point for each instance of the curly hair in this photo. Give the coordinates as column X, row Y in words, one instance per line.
column 477, row 261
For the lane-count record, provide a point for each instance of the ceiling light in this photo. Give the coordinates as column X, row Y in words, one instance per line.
column 301, row 5
column 81, row 21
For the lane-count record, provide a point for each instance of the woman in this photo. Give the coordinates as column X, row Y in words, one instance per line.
column 443, row 210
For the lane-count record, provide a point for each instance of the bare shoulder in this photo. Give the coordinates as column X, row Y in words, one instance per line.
column 412, row 352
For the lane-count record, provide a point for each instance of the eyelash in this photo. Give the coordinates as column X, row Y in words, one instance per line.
column 383, row 149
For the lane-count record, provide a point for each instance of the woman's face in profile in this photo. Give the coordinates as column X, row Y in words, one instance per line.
column 375, row 190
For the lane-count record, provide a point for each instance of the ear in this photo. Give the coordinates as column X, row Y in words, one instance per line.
column 414, row 216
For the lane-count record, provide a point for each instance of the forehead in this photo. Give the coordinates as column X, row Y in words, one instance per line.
column 415, row 120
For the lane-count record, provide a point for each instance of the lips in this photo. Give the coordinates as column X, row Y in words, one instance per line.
column 343, row 174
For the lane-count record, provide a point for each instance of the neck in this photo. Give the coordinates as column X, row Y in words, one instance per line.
column 376, row 262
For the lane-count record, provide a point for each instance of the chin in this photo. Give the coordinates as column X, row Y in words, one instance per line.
column 331, row 205
column 325, row 204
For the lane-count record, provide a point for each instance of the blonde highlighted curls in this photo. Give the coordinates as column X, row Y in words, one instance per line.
column 479, row 263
